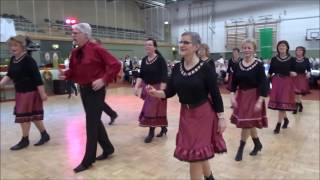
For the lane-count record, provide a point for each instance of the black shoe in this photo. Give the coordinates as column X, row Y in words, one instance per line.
column 23, row 143
column 300, row 107
column 285, row 124
column 44, row 138
column 150, row 136
column 81, row 168
column 113, row 118
column 163, row 131
column 209, row 178
column 297, row 107
column 148, row 139
column 240, row 151
column 257, row 146
column 104, row 155
column 277, row 129
column 294, row 111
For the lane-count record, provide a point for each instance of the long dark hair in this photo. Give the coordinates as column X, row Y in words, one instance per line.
column 285, row 43
column 155, row 45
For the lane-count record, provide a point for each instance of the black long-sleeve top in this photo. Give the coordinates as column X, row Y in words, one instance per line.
column 210, row 61
column 250, row 77
column 25, row 74
column 232, row 64
column 195, row 85
column 154, row 73
column 281, row 66
column 301, row 66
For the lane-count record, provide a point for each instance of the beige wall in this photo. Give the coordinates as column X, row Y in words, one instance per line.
column 123, row 14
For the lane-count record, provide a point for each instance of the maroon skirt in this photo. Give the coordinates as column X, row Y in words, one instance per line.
column 229, row 82
column 28, row 107
column 244, row 115
column 301, row 84
column 282, row 95
column 198, row 138
column 154, row 110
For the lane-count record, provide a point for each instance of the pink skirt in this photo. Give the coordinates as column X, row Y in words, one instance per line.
column 197, row 138
column 301, row 84
column 229, row 82
column 282, row 95
column 154, row 110
column 28, row 107
column 244, row 116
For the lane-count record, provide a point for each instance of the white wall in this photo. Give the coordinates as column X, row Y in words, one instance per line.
column 296, row 16
column 121, row 13
column 154, row 21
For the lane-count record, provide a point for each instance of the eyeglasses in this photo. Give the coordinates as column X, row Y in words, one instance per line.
column 185, row 42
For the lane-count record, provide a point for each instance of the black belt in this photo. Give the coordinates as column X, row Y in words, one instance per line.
column 281, row 75
column 192, row 106
column 88, row 85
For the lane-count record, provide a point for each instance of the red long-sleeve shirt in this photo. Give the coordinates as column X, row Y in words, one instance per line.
column 91, row 62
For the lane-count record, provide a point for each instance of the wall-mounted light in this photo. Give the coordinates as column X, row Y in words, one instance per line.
column 173, row 48
column 55, row 46
column 71, row 21
column 166, row 22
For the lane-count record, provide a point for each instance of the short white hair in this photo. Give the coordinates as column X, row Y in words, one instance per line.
column 84, row 28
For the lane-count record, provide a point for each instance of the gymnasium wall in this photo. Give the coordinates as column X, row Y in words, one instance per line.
column 121, row 14
column 295, row 17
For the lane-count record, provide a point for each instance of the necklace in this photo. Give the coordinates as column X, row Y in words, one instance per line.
column 283, row 59
column 150, row 61
column 248, row 68
column 19, row 59
column 193, row 70
column 299, row 60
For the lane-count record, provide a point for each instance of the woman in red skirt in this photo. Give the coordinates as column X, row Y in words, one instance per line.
column 201, row 118
column 249, row 82
column 153, row 71
column 232, row 63
column 301, row 81
column 24, row 73
column 281, row 72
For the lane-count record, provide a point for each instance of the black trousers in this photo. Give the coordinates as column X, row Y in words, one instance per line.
column 71, row 86
column 107, row 109
column 93, row 102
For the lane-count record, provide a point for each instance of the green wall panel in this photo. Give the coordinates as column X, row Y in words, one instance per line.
column 266, row 43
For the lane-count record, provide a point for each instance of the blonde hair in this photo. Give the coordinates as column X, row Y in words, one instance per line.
column 19, row 39
column 251, row 41
column 206, row 48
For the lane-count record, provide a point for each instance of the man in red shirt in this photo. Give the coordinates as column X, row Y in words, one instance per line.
column 92, row 67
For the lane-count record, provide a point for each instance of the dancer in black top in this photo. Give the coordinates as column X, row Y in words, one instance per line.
column 282, row 93
column 232, row 63
column 30, row 93
column 154, row 71
column 204, row 55
column 249, row 82
column 201, row 117
column 301, row 81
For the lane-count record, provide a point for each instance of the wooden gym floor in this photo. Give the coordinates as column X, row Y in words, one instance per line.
column 292, row 154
